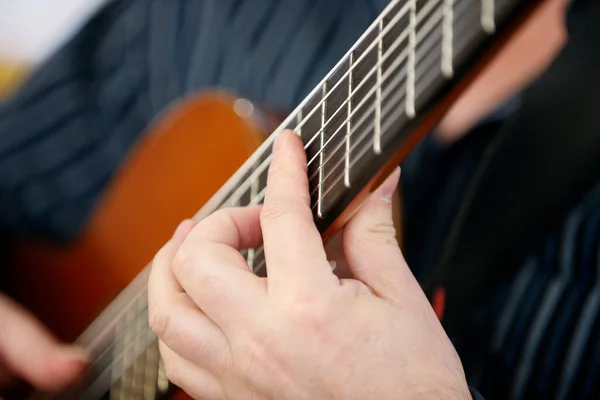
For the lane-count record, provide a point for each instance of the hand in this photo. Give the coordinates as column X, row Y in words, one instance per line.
column 301, row 333
column 28, row 352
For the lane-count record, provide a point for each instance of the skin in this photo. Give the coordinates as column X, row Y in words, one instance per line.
column 301, row 333
column 29, row 352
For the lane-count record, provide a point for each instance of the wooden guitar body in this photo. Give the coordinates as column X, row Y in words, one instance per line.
column 173, row 170
column 208, row 150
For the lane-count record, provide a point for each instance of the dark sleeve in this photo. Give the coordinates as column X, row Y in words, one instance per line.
column 475, row 394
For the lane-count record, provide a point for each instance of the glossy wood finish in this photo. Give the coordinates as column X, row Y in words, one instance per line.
column 183, row 160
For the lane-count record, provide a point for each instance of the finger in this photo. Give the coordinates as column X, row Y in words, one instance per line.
column 294, row 251
column 162, row 285
column 212, row 271
column 173, row 316
column 32, row 353
column 187, row 331
column 192, row 379
column 371, row 248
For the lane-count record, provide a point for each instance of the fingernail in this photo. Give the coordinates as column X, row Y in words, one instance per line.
column 388, row 188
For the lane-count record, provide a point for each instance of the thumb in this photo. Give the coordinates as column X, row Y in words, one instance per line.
column 372, row 251
column 30, row 352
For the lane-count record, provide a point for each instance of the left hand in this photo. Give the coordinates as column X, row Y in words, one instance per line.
column 301, row 333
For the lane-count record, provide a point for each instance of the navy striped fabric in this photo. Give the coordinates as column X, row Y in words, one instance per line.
column 64, row 134
column 541, row 340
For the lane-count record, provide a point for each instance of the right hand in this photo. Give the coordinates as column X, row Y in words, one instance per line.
column 29, row 352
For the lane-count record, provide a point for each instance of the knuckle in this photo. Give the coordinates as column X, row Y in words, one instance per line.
column 159, row 320
column 384, row 232
column 182, row 263
column 273, row 211
column 379, row 233
column 222, row 217
column 311, row 313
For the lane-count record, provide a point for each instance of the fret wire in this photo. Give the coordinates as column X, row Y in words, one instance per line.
column 115, row 391
column 151, row 373
column 364, row 81
column 429, row 44
column 263, row 192
column 425, row 31
column 250, row 259
column 113, row 344
column 396, row 63
column 139, row 363
column 390, row 107
column 253, row 192
column 488, row 19
column 384, row 14
column 322, row 151
column 412, row 46
column 448, row 39
column 259, row 195
column 265, row 163
column 162, row 382
column 260, row 252
column 299, row 118
column 98, row 339
column 348, row 124
column 377, row 136
column 96, row 385
column 397, row 98
column 124, row 381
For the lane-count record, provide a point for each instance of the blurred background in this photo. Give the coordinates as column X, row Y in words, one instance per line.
column 119, row 118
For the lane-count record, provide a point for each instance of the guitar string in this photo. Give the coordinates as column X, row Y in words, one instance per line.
column 401, row 58
column 142, row 289
column 428, row 61
column 113, row 343
column 386, row 95
column 425, row 30
column 237, row 194
column 364, row 133
column 242, row 189
column 264, row 165
column 371, row 29
column 145, row 309
column 366, row 116
column 389, row 107
column 431, row 41
column 486, row 20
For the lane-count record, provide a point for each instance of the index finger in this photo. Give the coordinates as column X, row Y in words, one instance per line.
column 294, row 251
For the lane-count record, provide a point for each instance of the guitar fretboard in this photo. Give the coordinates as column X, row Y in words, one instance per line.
column 350, row 123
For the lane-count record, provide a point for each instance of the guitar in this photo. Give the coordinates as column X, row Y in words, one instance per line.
column 390, row 89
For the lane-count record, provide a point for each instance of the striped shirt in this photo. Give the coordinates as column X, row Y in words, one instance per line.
column 63, row 135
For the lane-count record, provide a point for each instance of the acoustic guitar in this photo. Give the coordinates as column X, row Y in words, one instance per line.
column 210, row 151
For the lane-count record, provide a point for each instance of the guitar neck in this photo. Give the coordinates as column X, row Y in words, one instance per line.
column 362, row 120
column 390, row 89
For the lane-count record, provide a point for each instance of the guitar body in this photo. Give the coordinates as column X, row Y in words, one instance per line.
column 207, row 150
column 175, row 168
